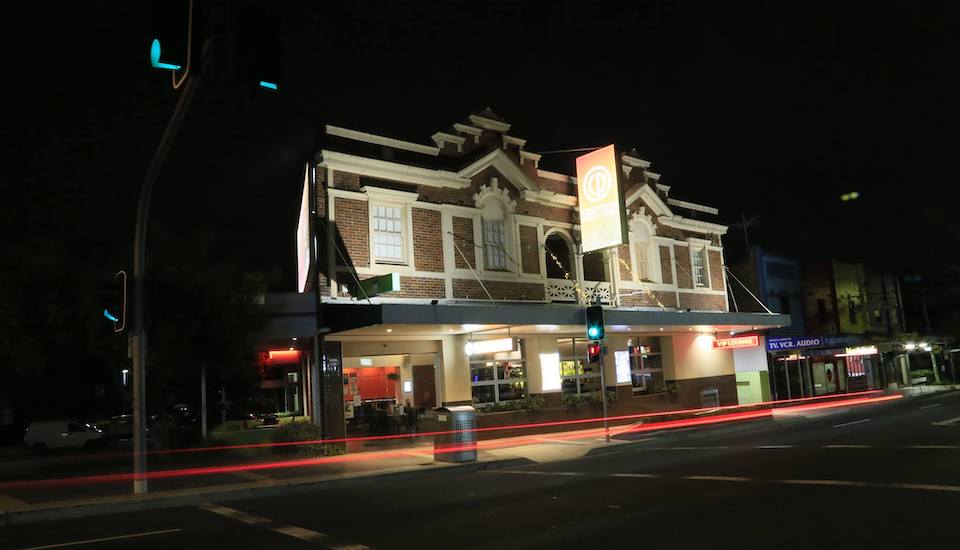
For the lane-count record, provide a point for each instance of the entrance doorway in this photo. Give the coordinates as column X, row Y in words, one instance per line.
column 385, row 394
column 424, row 387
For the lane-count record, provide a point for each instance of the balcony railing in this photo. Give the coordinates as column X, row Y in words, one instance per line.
column 563, row 290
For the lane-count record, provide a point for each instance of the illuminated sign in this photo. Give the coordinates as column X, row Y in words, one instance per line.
column 303, row 236
column 859, row 350
column 550, row 371
column 600, row 198
column 622, row 360
column 477, row 347
column 737, row 342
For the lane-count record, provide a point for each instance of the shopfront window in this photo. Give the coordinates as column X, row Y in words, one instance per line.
column 498, row 377
column 646, row 365
column 576, row 373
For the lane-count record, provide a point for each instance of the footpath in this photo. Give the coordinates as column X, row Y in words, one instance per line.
column 259, row 474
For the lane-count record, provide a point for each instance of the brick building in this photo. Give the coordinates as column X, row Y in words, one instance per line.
column 486, row 245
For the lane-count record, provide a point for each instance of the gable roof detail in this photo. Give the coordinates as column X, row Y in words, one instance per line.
column 503, row 164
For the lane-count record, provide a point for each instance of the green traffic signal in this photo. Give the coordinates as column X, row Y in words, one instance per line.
column 595, row 323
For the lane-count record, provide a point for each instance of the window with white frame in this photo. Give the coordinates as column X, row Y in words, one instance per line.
column 700, row 267
column 387, row 233
column 640, row 251
column 494, row 244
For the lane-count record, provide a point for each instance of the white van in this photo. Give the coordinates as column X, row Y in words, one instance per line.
column 61, row 434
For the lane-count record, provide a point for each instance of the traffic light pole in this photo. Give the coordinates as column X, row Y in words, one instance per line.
column 138, row 334
column 603, row 396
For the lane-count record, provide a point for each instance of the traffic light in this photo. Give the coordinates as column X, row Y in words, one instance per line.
column 594, row 351
column 115, row 298
column 174, row 22
column 259, row 47
column 595, row 323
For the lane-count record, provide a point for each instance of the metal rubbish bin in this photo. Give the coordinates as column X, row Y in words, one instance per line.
column 460, row 446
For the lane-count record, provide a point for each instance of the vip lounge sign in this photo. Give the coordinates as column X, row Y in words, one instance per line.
column 602, row 209
column 738, row 342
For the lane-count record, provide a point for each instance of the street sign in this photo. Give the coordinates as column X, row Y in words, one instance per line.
column 377, row 285
column 739, row 342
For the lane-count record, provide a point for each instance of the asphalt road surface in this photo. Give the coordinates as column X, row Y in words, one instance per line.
column 877, row 476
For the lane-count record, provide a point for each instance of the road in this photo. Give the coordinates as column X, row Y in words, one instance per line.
column 877, row 476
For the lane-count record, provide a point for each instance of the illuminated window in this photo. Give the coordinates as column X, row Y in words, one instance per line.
column 646, row 365
column 494, row 245
column 387, row 233
column 699, row 267
column 498, row 377
column 577, row 374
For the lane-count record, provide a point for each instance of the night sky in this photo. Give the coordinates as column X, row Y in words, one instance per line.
column 770, row 110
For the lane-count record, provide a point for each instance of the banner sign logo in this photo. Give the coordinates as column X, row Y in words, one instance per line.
column 603, row 222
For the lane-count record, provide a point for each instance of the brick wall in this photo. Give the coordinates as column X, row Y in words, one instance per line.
column 716, row 269
column 667, row 298
column 500, row 290
column 666, row 266
column 684, row 271
column 353, row 228
column 553, row 213
column 410, row 287
column 688, row 394
column 710, row 302
column 427, row 240
column 346, row 180
column 624, row 262
column 529, row 249
column 463, row 237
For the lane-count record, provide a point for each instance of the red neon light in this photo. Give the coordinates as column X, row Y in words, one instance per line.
column 738, row 342
column 283, row 356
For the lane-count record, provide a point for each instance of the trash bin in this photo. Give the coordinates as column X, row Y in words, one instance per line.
column 460, row 446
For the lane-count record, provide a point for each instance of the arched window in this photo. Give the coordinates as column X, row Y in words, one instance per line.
column 557, row 251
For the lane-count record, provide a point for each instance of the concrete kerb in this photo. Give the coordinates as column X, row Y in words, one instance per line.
column 240, row 491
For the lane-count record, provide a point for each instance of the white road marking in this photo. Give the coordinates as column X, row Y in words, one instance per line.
column 739, row 479
column 846, row 446
column 947, row 422
column 717, row 478
column 930, row 406
column 289, row 530
column 104, row 539
column 851, row 423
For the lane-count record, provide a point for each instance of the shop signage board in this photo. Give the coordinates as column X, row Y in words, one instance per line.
column 800, row 342
column 603, row 222
column 738, row 342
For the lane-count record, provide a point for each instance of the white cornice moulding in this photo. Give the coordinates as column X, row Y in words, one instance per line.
column 634, row 161
column 375, row 192
column 382, row 140
column 345, row 194
column 475, row 132
column 555, row 176
column 499, row 160
column 652, row 175
column 697, row 226
column 514, row 140
column 489, row 123
column 664, row 188
column 442, row 137
column 549, row 198
column 693, row 206
column 531, row 156
column 387, row 170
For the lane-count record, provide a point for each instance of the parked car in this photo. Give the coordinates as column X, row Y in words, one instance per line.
column 120, row 427
column 61, row 434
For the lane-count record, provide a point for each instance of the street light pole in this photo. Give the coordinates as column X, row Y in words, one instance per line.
column 138, row 335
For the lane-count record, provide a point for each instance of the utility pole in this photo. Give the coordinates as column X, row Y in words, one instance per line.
column 138, row 335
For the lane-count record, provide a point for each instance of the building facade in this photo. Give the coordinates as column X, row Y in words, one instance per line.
column 488, row 281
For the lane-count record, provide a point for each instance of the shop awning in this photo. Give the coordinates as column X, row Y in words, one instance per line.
column 403, row 318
